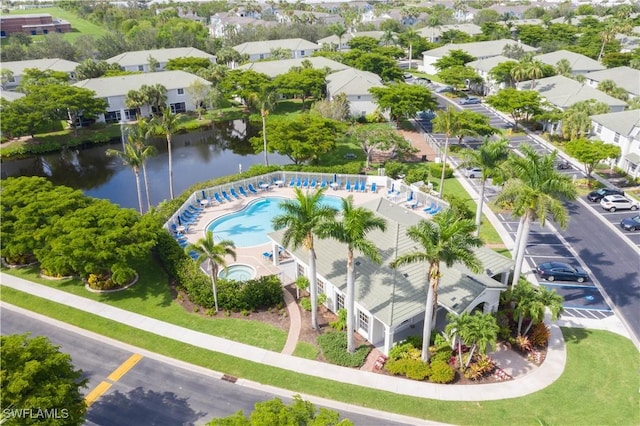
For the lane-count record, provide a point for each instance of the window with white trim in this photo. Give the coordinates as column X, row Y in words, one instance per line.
column 598, row 128
column 363, row 321
column 616, row 138
column 339, row 301
column 320, row 286
column 180, row 91
column 140, row 67
column 300, row 270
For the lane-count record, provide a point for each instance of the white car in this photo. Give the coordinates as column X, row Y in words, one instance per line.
column 474, row 172
column 618, row 202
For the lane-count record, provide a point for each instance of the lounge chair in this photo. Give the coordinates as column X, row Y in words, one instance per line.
column 226, row 196
column 218, row 198
column 435, row 211
column 292, row 182
column 413, row 204
column 252, row 189
column 409, row 198
column 234, row 193
column 298, row 183
column 431, row 207
column 313, row 184
column 323, row 184
column 305, row 184
column 374, row 187
column 267, row 255
column 391, row 190
column 243, row 191
column 348, row 187
column 194, row 255
column 363, row 187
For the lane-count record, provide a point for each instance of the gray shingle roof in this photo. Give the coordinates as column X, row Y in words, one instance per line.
column 488, row 64
column 577, row 61
column 395, row 295
column 257, row 47
column 120, row 85
column 352, row 82
column 55, row 64
column 275, row 68
column 429, row 32
column 625, row 77
column 139, row 57
column 478, row 49
column 563, row 92
column 349, row 36
column 620, row 122
column 10, row 96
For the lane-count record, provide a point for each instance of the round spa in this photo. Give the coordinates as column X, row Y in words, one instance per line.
column 238, row 272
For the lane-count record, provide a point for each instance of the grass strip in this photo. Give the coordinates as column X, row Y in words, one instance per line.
column 599, row 385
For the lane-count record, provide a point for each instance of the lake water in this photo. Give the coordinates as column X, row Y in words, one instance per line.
column 197, row 156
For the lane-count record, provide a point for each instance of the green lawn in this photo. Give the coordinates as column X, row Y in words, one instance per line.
column 599, row 385
column 151, row 297
column 79, row 26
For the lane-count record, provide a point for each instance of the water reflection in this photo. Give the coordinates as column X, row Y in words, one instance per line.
column 197, row 156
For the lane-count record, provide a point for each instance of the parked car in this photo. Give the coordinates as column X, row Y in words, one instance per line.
column 561, row 271
column 631, row 223
column 407, row 76
column 422, row 80
column 618, row 202
column 470, row 100
column 444, row 89
column 473, row 172
column 596, row 196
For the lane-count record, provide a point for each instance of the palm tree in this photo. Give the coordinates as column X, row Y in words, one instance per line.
column 303, row 217
column 449, row 239
column 531, row 303
column 352, row 230
column 208, row 250
column 167, row 124
column 445, row 122
column 339, row 31
column 388, row 37
column 138, row 134
column 535, row 192
column 563, row 67
column 519, row 71
column 489, row 156
column 265, row 101
column 456, row 328
column 481, row 332
column 130, row 156
column 411, row 36
column 535, row 69
column 155, row 96
column 607, row 35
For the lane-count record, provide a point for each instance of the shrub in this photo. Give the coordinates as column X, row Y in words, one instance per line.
column 416, row 174
column 436, row 170
column 394, row 168
column 460, row 206
column 305, row 302
column 443, row 353
column 404, row 351
column 416, row 341
column 540, row 335
column 483, row 366
column 441, row 372
column 341, row 322
column 523, row 343
column 251, row 295
column 122, row 274
column 100, row 282
column 397, row 366
column 334, row 349
column 414, row 369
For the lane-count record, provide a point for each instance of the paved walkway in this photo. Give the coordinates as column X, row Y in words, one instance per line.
column 526, row 383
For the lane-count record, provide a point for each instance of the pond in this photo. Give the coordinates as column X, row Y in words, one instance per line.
column 197, row 156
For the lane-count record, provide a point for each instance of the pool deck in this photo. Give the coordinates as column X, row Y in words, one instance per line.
column 253, row 255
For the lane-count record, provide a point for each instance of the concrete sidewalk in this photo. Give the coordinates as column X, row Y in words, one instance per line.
column 536, row 380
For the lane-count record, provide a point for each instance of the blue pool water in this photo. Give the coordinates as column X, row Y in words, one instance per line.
column 249, row 227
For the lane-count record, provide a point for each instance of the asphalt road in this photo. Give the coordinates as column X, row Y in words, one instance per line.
column 153, row 392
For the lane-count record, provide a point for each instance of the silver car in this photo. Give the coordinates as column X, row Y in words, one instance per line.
column 618, row 202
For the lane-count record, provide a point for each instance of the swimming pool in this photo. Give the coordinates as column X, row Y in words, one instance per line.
column 249, row 227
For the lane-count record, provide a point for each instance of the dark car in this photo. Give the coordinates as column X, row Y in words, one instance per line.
column 599, row 194
column 445, row 89
column 631, row 223
column 552, row 271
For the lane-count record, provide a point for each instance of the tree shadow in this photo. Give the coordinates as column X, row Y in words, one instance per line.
column 143, row 407
column 575, row 334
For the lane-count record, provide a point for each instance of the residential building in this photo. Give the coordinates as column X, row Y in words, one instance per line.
column 625, row 77
column 580, row 64
column 333, row 40
column 433, row 34
column 621, row 129
column 224, row 24
column 10, row 96
column 563, row 92
column 355, row 84
column 309, row 17
column 483, row 67
column 275, row 68
column 114, row 90
column 390, row 303
column 260, row 50
column 479, row 50
column 36, row 24
column 138, row 61
column 18, row 68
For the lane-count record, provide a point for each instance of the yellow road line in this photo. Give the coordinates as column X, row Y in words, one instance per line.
column 116, row 375
column 97, row 393
column 124, row 367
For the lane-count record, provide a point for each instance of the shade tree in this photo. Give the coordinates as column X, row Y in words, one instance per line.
column 591, row 152
column 403, row 100
column 521, row 105
column 380, row 137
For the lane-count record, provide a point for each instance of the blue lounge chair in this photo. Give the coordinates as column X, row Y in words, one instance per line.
column 313, row 184
column 267, row 255
column 218, row 198
column 374, row 187
column 391, row 190
column 363, row 187
column 298, row 183
column 428, row 209
column 242, row 191
column 323, row 184
column 305, row 184
column 252, row 189
column 413, row 204
column 409, row 198
column 348, row 187
column 194, row 255
column 435, row 211
column 234, row 193
column 226, row 196
column 292, row 182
